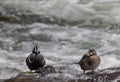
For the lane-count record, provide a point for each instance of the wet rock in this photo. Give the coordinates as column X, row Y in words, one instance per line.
column 40, row 75
column 46, row 70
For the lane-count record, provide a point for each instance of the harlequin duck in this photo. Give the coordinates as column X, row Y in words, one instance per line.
column 89, row 61
column 35, row 60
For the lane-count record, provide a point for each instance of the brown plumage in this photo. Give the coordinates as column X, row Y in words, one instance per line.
column 89, row 61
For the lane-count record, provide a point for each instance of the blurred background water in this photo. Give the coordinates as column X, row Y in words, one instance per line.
column 64, row 30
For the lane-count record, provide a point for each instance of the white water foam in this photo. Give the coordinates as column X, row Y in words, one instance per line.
column 67, row 44
column 71, row 10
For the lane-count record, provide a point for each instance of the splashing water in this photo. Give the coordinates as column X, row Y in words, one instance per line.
column 63, row 29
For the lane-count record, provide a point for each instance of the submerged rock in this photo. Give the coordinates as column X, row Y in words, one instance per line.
column 106, row 75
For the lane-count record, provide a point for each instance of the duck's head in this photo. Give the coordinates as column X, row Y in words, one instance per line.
column 92, row 52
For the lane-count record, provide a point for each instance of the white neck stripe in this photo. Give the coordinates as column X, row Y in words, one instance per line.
column 29, row 59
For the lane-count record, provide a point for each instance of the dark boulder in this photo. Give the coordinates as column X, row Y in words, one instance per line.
column 106, row 75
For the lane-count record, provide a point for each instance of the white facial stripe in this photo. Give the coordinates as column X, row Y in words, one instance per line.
column 91, row 53
column 29, row 60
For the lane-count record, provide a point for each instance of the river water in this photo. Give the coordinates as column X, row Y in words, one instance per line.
column 64, row 30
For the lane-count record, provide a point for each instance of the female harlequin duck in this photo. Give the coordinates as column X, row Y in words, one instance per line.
column 89, row 61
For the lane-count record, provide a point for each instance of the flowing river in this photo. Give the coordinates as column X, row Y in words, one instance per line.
column 64, row 30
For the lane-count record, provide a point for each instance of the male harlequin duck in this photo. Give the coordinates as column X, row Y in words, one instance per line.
column 35, row 60
column 89, row 61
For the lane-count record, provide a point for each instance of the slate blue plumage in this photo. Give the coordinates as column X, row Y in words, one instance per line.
column 35, row 60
